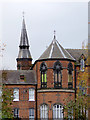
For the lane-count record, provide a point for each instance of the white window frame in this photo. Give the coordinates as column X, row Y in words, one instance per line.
column 31, row 116
column 44, row 112
column 31, row 94
column 57, row 112
column 16, row 94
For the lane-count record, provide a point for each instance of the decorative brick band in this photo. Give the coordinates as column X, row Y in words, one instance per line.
column 55, row 90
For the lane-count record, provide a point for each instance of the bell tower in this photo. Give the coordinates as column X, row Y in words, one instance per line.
column 24, row 60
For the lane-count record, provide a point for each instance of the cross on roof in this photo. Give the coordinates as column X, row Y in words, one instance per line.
column 54, row 32
column 23, row 13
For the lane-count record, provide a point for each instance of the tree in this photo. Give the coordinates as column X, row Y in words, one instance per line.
column 6, row 98
column 78, row 107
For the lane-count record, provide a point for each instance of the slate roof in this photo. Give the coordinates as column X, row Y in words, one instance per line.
column 55, row 50
column 76, row 53
column 24, row 51
column 13, row 76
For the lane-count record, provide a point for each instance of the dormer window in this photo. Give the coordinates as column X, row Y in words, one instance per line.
column 70, row 75
column 43, row 69
column 57, row 75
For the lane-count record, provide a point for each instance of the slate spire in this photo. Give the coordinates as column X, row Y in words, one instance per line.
column 24, row 37
column 24, row 52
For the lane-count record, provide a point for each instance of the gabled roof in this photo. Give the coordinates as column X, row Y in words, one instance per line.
column 13, row 76
column 76, row 53
column 55, row 50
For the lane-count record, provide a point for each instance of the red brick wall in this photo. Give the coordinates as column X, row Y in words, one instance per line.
column 51, row 98
column 50, row 74
column 23, row 104
column 24, row 64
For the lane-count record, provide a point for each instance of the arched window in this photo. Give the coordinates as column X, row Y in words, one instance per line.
column 70, row 75
column 82, row 64
column 57, row 112
column 57, row 75
column 44, row 112
column 43, row 69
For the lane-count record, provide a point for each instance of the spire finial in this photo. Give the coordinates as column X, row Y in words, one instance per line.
column 23, row 14
column 54, row 34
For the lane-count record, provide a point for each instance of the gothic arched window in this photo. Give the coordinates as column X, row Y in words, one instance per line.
column 43, row 69
column 57, row 111
column 57, row 75
column 44, row 112
column 70, row 75
column 82, row 64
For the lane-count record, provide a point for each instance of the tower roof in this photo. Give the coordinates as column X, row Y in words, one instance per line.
column 24, row 51
column 24, row 38
column 55, row 50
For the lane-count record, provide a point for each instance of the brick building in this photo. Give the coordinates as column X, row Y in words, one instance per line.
column 41, row 88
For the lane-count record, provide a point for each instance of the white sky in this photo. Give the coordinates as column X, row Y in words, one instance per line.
column 69, row 19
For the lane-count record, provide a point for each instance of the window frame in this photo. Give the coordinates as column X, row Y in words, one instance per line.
column 43, row 72
column 58, row 74
column 31, row 116
column 82, row 64
column 70, row 74
column 59, row 113
column 44, row 112
column 17, row 114
column 16, row 97
column 32, row 94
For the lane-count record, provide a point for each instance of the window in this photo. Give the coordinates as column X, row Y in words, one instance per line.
column 44, row 112
column 57, row 75
column 82, row 64
column 31, row 94
column 43, row 69
column 16, row 94
column 16, row 113
column 57, row 112
column 70, row 75
column 31, row 114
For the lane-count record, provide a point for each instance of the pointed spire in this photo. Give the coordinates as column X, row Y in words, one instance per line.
column 24, row 60
column 24, row 38
column 23, row 24
column 24, row 43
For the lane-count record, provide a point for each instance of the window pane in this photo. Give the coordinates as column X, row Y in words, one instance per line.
column 70, row 77
column 44, row 111
column 31, row 94
column 31, row 113
column 45, row 79
column 59, row 79
column 42, row 79
column 16, row 95
column 57, row 111
column 16, row 112
column 82, row 64
column 55, row 77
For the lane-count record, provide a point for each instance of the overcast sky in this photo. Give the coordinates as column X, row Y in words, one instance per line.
column 69, row 19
